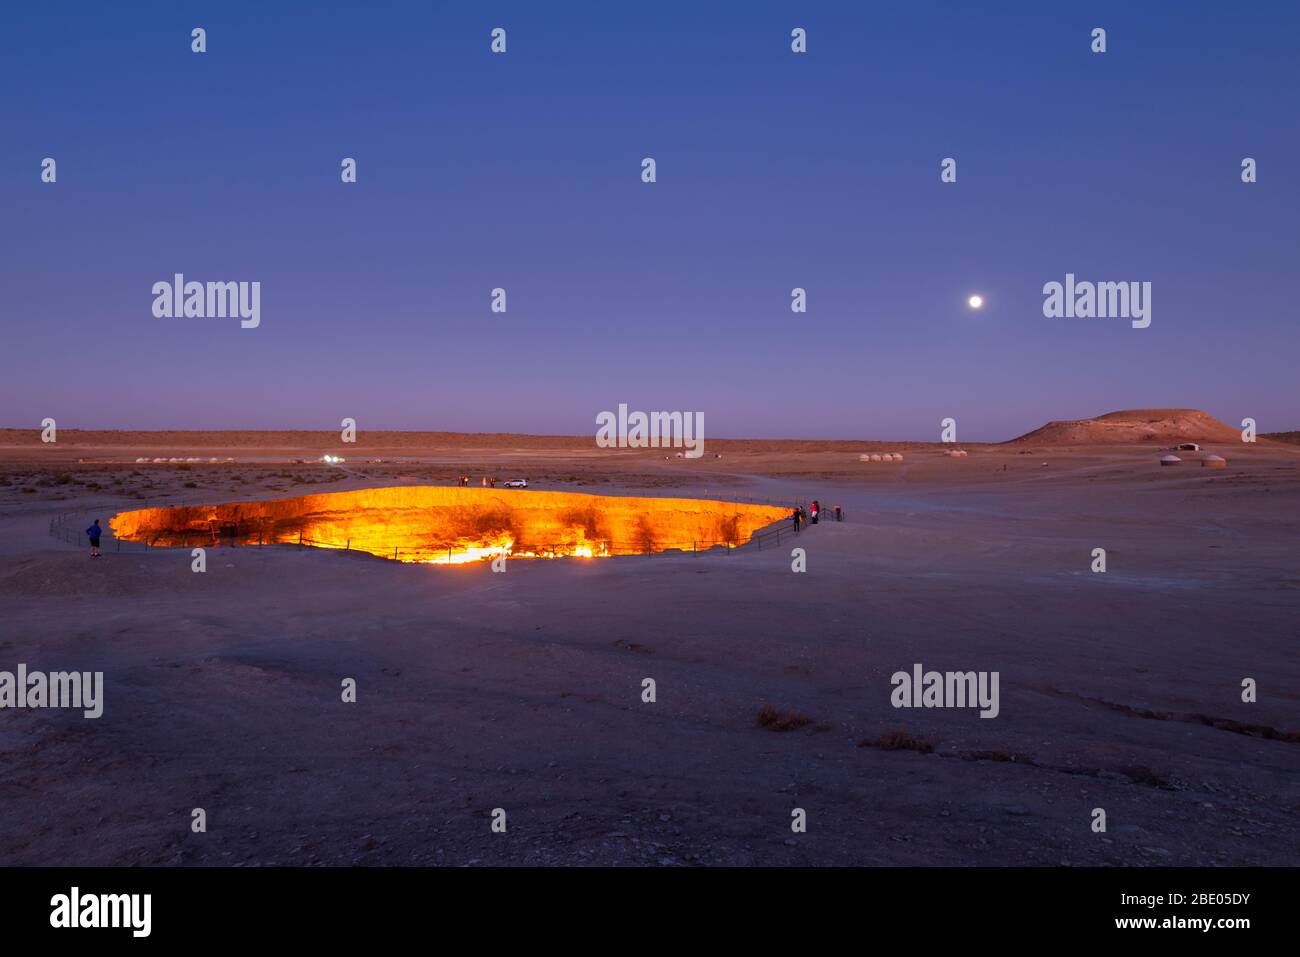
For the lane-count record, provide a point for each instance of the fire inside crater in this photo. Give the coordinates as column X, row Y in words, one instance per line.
column 440, row 525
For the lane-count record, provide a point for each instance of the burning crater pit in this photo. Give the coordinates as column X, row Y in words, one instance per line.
column 439, row 525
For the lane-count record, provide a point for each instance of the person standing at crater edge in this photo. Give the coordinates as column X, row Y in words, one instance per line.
column 93, row 534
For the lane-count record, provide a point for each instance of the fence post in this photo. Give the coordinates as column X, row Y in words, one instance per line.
column 394, row 554
column 300, row 538
column 348, row 546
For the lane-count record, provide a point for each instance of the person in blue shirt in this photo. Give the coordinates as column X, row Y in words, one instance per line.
column 93, row 534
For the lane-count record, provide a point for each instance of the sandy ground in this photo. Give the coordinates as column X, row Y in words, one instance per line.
column 522, row 690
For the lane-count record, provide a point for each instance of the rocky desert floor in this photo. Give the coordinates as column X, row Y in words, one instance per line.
column 523, row 690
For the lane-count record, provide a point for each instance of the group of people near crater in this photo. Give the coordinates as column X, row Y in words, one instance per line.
column 812, row 514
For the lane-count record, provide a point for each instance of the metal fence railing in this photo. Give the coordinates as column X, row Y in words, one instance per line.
column 772, row 535
column 73, row 533
column 70, row 527
column 607, row 549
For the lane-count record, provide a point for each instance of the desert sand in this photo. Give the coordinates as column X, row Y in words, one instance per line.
column 522, row 690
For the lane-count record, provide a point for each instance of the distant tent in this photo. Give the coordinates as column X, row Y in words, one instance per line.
column 1170, row 460
column 1214, row 462
column 875, row 457
column 1189, row 447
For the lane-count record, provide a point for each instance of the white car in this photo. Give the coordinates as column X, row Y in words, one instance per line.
column 517, row 483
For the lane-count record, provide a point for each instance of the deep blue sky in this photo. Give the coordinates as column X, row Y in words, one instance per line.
column 523, row 171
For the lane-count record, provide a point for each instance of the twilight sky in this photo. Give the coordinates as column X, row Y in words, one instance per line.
column 522, row 170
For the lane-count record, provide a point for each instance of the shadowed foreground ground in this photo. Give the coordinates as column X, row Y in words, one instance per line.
column 522, row 690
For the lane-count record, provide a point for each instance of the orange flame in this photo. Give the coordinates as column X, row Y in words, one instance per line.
column 455, row 526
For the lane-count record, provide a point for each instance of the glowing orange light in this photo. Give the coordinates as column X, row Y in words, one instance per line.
column 455, row 526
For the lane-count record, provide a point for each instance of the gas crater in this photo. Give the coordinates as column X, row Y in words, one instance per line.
column 440, row 525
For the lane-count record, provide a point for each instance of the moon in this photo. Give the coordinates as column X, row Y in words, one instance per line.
column 975, row 301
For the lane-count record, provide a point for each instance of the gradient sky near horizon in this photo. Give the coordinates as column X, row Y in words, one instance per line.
column 775, row 170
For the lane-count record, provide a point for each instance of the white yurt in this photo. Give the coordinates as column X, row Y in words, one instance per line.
column 1214, row 462
column 1170, row 460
